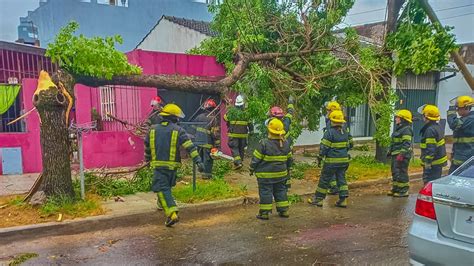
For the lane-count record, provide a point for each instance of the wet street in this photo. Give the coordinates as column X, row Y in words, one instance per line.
column 371, row 231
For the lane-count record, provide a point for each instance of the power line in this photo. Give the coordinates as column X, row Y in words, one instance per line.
column 380, row 9
column 462, row 15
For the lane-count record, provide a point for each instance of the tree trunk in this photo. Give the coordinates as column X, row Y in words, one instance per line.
column 51, row 105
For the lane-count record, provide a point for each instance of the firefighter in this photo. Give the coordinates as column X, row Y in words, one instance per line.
column 238, row 127
column 162, row 152
column 334, row 153
column 433, row 150
column 463, row 130
column 207, row 135
column 271, row 162
column 401, row 151
column 330, row 107
column 154, row 116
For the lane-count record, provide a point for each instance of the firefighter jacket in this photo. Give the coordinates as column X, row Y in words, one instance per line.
column 271, row 160
column 162, row 146
column 401, row 140
column 463, row 136
column 433, row 150
column 238, row 123
column 207, row 130
column 335, row 145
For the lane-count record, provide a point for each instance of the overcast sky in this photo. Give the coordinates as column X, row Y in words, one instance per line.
column 461, row 18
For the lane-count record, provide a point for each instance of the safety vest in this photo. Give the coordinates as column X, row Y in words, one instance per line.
column 335, row 145
column 401, row 140
column 207, row 130
column 238, row 125
column 271, row 159
column 463, row 136
column 162, row 146
column 433, row 150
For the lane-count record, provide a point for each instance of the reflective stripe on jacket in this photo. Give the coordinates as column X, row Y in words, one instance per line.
column 401, row 140
column 463, row 136
column 433, row 150
column 238, row 125
column 271, row 159
column 335, row 145
column 162, row 146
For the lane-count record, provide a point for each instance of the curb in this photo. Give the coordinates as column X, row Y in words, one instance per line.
column 139, row 217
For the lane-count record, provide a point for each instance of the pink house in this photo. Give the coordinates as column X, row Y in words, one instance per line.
column 113, row 145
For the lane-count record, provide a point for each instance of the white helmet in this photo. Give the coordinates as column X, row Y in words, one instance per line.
column 239, row 101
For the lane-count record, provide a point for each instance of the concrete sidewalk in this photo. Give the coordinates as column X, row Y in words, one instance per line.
column 16, row 184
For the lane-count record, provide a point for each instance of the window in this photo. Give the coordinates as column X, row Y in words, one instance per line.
column 107, row 102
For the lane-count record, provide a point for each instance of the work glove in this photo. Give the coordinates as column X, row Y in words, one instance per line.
column 400, row 158
column 200, row 167
column 319, row 160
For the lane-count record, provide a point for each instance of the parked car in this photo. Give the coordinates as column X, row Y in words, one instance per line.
column 442, row 231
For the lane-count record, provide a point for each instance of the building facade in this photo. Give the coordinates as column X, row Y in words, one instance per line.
column 132, row 19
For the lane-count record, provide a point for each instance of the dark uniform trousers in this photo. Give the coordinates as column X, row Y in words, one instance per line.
column 237, row 147
column 163, row 181
column 328, row 173
column 205, row 154
column 400, row 178
column 433, row 173
column 269, row 189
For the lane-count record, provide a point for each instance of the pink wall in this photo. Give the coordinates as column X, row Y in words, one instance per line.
column 29, row 140
column 111, row 148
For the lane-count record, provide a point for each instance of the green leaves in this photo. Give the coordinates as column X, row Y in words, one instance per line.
column 94, row 57
column 420, row 46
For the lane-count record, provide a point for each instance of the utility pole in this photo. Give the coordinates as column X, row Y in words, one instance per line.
column 457, row 58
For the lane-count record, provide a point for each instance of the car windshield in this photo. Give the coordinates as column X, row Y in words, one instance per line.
column 466, row 169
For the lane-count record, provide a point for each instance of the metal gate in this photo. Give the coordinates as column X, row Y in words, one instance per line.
column 414, row 91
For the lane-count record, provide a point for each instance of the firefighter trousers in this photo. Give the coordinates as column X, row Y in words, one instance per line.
column 453, row 167
column 163, row 181
column 237, row 147
column 432, row 174
column 400, row 179
column 268, row 191
column 327, row 173
column 205, row 154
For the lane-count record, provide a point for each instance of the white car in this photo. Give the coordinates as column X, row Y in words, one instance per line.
column 442, row 231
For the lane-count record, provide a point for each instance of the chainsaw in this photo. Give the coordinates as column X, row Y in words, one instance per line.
column 216, row 154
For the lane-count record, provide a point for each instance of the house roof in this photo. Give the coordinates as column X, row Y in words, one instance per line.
column 196, row 25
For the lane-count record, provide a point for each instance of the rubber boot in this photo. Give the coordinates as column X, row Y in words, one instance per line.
column 284, row 214
column 263, row 215
column 315, row 201
column 158, row 205
column 173, row 219
column 400, row 195
column 341, row 203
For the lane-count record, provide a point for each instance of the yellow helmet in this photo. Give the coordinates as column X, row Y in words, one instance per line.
column 333, row 106
column 464, row 101
column 172, row 109
column 429, row 111
column 405, row 114
column 44, row 81
column 337, row 116
column 275, row 126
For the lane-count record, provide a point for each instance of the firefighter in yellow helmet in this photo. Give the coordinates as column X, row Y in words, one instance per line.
column 334, row 151
column 401, row 151
column 433, row 150
column 271, row 162
column 330, row 107
column 162, row 152
column 463, row 130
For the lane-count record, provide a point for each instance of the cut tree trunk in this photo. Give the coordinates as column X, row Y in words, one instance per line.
column 51, row 105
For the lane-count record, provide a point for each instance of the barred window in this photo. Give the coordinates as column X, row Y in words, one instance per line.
column 107, row 102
